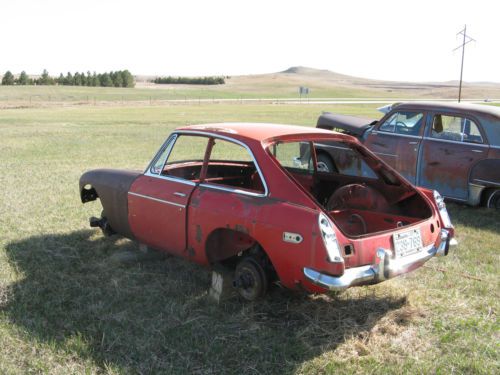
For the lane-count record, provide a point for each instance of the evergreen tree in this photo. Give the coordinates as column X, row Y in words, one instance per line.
column 83, row 79
column 45, row 79
column 69, row 81
column 117, row 79
column 8, row 78
column 89, row 78
column 23, row 79
column 77, row 79
column 61, row 79
column 105, row 80
column 127, row 78
column 95, row 80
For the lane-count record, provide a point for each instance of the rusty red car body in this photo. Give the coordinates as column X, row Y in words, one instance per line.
column 244, row 195
column 450, row 147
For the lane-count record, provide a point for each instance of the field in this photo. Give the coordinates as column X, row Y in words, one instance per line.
column 322, row 84
column 67, row 306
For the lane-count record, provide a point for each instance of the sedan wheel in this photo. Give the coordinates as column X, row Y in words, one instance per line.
column 325, row 164
column 493, row 200
column 250, row 279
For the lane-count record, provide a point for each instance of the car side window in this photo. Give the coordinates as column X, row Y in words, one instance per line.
column 231, row 165
column 294, row 156
column 455, row 128
column 186, row 158
column 403, row 122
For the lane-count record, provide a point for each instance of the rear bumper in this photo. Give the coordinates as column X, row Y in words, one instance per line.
column 385, row 266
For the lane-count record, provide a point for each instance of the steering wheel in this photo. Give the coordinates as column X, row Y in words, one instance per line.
column 401, row 124
column 356, row 196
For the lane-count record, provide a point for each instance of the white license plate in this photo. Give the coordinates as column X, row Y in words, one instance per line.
column 407, row 243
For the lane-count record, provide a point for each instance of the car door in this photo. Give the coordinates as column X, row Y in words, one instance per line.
column 397, row 140
column 158, row 200
column 453, row 143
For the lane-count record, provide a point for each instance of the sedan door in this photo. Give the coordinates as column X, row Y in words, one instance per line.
column 452, row 145
column 158, row 200
column 397, row 140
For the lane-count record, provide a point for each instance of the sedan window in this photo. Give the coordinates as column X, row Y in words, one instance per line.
column 403, row 122
column 455, row 128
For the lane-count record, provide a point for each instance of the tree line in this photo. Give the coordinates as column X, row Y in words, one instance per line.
column 191, row 80
column 120, row 78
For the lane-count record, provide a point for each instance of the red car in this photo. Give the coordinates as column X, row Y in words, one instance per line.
column 251, row 197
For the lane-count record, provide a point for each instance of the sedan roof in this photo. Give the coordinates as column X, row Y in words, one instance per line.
column 479, row 109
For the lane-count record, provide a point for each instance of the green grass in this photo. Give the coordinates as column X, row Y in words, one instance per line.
column 51, row 95
column 67, row 306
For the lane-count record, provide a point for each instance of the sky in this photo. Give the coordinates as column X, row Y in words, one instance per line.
column 391, row 40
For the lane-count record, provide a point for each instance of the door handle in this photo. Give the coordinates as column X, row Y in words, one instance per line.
column 478, row 151
column 413, row 143
column 179, row 194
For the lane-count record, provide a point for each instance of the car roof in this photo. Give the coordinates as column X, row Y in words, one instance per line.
column 256, row 131
column 479, row 109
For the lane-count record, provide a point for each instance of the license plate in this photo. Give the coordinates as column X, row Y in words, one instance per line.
column 407, row 243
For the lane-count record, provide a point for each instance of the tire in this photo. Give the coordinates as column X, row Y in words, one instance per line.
column 250, row 279
column 325, row 164
column 493, row 199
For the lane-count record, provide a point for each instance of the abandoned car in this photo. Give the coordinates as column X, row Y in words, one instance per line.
column 450, row 147
column 252, row 197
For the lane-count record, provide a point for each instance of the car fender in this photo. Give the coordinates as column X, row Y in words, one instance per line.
column 483, row 175
column 111, row 186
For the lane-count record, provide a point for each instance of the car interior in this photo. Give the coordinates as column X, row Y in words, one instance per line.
column 361, row 194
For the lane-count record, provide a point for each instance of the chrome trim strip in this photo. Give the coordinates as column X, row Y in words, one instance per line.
column 457, row 142
column 214, row 135
column 331, row 146
column 495, row 147
column 157, row 200
column 381, row 153
column 167, row 144
column 170, row 178
column 378, row 132
column 231, row 190
column 487, row 182
column 229, row 139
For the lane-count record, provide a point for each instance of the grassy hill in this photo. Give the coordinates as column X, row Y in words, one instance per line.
column 281, row 85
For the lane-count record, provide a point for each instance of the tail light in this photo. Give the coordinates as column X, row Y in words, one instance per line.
column 329, row 239
column 443, row 212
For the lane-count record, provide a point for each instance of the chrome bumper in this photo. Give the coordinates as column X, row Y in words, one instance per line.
column 383, row 268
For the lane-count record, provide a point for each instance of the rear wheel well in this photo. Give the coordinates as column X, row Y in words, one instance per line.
column 228, row 246
column 486, row 196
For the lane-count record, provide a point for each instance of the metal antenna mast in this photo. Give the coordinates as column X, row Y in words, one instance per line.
column 466, row 40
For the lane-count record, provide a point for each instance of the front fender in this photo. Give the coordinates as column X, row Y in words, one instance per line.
column 111, row 186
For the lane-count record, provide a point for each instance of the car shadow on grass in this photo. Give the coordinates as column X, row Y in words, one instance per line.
column 156, row 317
